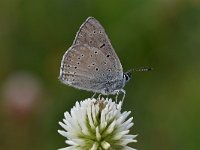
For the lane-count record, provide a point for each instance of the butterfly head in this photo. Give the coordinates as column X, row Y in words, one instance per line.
column 127, row 76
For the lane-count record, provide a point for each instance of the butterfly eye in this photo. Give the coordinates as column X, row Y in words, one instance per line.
column 75, row 67
column 108, row 55
column 78, row 63
column 79, row 58
column 95, row 52
column 82, row 55
column 94, row 32
column 88, row 66
column 105, row 63
column 97, row 69
column 109, row 70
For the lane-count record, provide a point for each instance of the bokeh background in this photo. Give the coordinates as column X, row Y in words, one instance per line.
column 163, row 34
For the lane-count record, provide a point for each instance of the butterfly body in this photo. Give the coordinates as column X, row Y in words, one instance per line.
column 91, row 63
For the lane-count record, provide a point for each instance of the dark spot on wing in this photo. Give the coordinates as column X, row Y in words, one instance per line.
column 102, row 45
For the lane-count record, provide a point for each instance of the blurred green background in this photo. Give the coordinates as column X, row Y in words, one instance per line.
column 163, row 34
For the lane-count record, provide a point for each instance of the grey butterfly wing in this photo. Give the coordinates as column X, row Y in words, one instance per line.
column 86, row 68
column 93, row 34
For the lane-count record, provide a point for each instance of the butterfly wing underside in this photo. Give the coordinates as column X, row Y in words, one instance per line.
column 86, row 68
column 91, row 61
column 93, row 34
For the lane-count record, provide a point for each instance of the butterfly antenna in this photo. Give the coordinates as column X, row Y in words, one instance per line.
column 143, row 69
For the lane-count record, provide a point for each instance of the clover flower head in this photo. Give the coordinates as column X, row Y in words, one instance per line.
column 97, row 124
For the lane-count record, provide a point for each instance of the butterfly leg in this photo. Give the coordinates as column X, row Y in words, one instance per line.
column 124, row 92
column 93, row 95
column 116, row 97
column 99, row 97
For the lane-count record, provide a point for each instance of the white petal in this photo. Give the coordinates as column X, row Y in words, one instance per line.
column 128, row 148
column 120, row 134
column 105, row 145
column 95, row 146
column 71, row 143
column 111, row 127
column 98, row 135
column 68, row 148
column 90, row 117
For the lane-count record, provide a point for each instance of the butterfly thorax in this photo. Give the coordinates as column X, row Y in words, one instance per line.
column 113, row 87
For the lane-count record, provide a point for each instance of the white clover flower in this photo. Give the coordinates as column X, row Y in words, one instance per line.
column 97, row 125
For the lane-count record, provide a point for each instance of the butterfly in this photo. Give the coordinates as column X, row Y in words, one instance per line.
column 92, row 64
